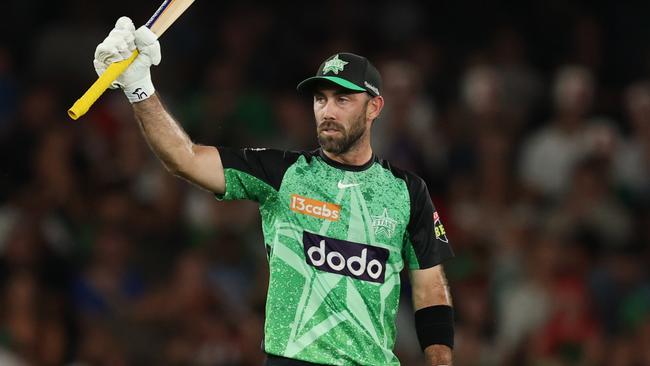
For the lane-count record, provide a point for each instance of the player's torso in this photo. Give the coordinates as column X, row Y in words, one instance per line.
column 335, row 239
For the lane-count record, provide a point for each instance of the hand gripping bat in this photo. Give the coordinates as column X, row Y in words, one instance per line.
column 163, row 18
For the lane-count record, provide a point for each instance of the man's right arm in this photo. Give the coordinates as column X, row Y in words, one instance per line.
column 198, row 164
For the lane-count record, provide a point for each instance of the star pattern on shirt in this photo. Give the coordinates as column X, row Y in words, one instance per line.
column 384, row 224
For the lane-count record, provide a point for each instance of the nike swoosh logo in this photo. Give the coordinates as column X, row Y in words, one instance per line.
column 347, row 185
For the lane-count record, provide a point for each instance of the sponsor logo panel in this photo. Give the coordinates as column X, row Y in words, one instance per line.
column 359, row 261
column 315, row 208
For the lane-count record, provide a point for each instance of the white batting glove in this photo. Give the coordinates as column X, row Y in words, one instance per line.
column 135, row 81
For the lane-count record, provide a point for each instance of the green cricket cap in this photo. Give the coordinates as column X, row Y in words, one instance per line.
column 350, row 71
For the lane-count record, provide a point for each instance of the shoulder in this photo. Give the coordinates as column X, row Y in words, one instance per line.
column 263, row 154
column 414, row 182
column 267, row 165
column 284, row 154
column 543, row 135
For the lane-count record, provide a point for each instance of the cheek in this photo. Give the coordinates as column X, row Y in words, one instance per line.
column 318, row 111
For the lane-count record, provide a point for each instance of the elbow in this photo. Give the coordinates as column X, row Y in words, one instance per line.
column 173, row 168
column 177, row 168
column 184, row 162
column 179, row 161
column 178, row 164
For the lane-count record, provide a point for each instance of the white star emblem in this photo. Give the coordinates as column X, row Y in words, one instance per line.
column 334, row 65
column 384, row 224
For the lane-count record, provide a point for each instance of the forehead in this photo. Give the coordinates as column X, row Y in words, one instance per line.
column 323, row 87
column 334, row 90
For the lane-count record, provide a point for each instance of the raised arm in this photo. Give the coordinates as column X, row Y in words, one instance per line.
column 433, row 315
column 198, row 164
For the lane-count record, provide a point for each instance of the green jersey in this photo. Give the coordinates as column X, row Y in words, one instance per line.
column 337, row 237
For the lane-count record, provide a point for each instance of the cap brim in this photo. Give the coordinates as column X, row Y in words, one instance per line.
column 308, row 84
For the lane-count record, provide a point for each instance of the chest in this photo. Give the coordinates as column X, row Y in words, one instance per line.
column 367, row 207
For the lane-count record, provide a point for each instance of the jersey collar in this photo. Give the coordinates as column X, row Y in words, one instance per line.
column 352, row 168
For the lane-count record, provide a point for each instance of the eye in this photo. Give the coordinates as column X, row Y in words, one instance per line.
column 319, row 99
column 343, row 99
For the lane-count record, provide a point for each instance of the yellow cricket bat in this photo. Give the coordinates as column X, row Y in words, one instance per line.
column 162, row 19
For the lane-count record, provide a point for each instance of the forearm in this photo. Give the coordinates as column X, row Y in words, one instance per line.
column 163, row 134
column 434, row 315
column 438, row 355
column 430, row 289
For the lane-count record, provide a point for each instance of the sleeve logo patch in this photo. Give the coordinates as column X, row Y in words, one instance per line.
column 315, row 208
column 440, row 232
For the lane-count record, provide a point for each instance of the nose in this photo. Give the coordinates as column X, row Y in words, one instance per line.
column 328, row 110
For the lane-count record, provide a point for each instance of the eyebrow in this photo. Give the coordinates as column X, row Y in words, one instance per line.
column 337, row 92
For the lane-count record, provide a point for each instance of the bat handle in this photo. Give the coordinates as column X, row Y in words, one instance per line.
column 83, row 104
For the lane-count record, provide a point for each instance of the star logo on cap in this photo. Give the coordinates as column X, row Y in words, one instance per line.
column 334, row 65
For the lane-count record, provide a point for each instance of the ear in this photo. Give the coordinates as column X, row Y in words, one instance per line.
column 375, row 105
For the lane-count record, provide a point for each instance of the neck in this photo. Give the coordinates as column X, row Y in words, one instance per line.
column 356, row 155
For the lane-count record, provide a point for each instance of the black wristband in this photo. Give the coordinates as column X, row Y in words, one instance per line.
column 435, row 325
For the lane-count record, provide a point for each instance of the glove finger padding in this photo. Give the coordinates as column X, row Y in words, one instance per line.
column 125, row 49
column 119, row 45
column 106, row 53
column 125, row 23
column 148, row 45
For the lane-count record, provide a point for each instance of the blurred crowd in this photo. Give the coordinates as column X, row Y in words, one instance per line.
column 529, row 121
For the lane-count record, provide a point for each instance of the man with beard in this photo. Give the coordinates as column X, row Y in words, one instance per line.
column 339, row 222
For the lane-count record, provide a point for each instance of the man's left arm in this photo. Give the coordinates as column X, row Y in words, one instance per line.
column 426, row 248
column 433, row 314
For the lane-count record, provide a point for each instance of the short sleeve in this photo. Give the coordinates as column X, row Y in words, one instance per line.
column 426, row 242
column 254, row 173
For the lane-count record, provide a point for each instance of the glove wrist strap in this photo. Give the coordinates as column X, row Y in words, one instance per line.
column 139, row 90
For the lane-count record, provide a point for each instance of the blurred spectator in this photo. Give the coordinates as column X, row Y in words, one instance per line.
column 191, row 313
column 632, row 164
column 522, row 84
column 26, row 248
column 406, row 132
column 590, row 204
column 483, row 96
column 109, row 285
column 571, row 327
column 295, row 125
column 483, row 116
column 21, row 136
column 524, row 305
column 97, row 346
column 230, row 271
column 474, row 325
column 620, row 289
column 550, row 154
column 32, row 323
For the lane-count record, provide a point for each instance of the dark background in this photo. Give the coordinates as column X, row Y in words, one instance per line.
column 529, row 121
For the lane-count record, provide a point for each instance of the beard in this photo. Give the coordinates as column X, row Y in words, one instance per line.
column 343, row 141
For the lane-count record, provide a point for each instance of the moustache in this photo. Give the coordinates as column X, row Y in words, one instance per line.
column 329, row 125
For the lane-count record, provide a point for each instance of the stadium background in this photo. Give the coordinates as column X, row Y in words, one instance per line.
column 529, row 120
